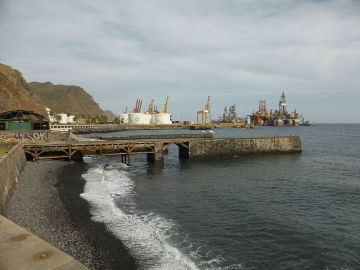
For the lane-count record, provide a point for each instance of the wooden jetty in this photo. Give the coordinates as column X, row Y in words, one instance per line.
column 189, row 148
column 123, row 148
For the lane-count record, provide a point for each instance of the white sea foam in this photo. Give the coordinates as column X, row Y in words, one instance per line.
column 146, row 235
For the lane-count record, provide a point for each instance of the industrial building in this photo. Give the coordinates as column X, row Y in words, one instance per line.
column 61, row 118
column 150, row 117
column 23, row 120
column 204, row 116
column 280, row 117
column 230, row 115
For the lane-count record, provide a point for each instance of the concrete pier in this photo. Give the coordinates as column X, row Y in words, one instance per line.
column 158, row 154
column 189, row 148
column 234, row 147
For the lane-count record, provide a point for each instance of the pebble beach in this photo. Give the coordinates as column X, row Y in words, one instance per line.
column 47, row 203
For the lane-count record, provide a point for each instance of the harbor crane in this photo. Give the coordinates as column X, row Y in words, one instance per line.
column 138, row 105
column 151, row 108
column 205, row 114
column 166, row 105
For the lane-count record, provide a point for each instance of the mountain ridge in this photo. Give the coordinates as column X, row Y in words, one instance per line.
column 15, row 93
column 69, row 99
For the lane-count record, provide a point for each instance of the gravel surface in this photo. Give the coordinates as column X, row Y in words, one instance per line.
column 38, row 207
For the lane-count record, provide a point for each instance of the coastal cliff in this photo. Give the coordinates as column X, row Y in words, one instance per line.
column 15, row 93
column 67, row 98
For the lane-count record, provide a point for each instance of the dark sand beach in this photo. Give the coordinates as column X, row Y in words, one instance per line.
column 47, row 203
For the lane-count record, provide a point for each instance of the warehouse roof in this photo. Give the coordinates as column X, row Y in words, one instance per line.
column 21, row 115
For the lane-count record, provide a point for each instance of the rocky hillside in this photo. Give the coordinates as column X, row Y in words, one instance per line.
column 15, row 93
column 67, row 99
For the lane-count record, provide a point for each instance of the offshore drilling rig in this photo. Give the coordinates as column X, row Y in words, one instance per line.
column 280, row 117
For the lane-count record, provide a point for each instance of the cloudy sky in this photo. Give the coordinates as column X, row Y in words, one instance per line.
column 236, row 51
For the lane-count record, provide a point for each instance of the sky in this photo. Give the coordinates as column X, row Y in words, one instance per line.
column 236, row 51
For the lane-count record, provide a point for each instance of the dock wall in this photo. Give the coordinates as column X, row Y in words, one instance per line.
column 153, row 137
column 116, row 127
column 11, row 165
column 234, row 147
column 33, row 135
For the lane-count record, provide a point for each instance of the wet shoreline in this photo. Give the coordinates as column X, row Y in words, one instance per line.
column 47, row 203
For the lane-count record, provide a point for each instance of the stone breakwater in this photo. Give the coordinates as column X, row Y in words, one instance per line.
column 11, row 165
column 234, row 147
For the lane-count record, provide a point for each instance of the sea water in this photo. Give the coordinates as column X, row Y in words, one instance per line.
column 288, row 211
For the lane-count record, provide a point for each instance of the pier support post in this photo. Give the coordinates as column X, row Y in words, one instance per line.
column 77, row 156
column 158, row 155
column 184, row 150
column 125, row 158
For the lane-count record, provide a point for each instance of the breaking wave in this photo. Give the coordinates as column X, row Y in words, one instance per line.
column 110, row 191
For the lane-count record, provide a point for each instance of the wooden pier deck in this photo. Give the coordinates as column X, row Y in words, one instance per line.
column 124, row 148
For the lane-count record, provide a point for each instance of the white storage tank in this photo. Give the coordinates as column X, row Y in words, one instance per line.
column 153, row 119
column 146, row 118
column 64, row 118
column 71, row 119
column 124, row 118
column 162, row 119
column 135, row 118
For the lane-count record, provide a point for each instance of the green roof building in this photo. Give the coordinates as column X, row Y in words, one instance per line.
column 23, row 120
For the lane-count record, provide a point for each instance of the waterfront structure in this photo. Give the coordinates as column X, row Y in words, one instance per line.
column 189, row 148
column 204, row 116
column 51, row 116
column 124, row 118
column 61, row 118
column 151, row 117
column 23, row 120
column 230, row 116
column 64, row 118
column 280, row 117
column 282, row 104
column 68, row 127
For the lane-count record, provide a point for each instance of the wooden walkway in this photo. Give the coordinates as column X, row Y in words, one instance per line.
column 189, row 148
column 125, row 148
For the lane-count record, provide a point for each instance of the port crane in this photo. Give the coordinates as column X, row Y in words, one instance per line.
column 205, row 115
column 166, row 105
column 138, row 105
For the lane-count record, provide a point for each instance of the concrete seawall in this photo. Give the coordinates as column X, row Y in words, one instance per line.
column 234, row 147
column 116, row 127
column 154, row 137
column 20, row 249
column 11, row 165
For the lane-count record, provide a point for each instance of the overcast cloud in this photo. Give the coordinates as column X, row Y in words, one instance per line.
column 235, row 51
